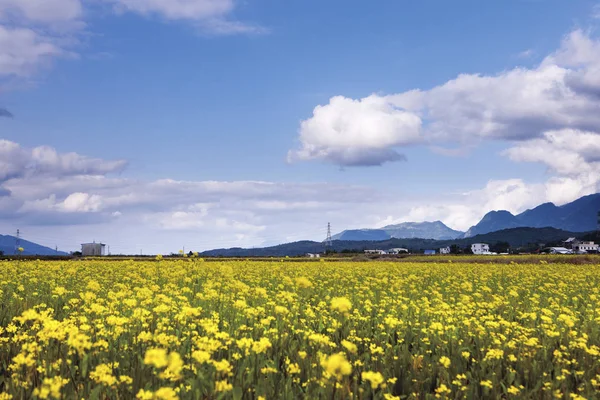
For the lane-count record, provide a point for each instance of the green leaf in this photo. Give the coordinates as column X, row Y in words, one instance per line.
column 84, row 365
column 237, row 393
column 95, row 393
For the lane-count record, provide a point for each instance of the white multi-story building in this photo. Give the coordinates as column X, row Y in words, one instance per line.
column 480, row 248
column 582, row 247
column 445, row 250
column 92, row 249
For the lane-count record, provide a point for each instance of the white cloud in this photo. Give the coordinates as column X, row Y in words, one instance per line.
column 519, row 104
column 357, row 132
column 220, row 26
column 461, row 211
column 23, row 51
column 48, row 12
column 33, row 33
column 16, row 162
column 566, row 152
column 211, row 16
column 596, row 11
column 178, row 9
column 44, row 190
column 526, row 53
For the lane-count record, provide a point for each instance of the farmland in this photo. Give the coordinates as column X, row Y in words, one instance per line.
column 189, row 329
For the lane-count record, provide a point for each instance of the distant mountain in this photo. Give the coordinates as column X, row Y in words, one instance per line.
column 423, row 230
column 362, row 234
column 516, row 237
column 7, row 245
column 577, row 216
column 493, row 221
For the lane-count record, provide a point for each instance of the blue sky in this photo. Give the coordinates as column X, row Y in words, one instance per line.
column 269, row 119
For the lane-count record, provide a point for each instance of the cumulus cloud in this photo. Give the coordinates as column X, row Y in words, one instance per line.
column 519, row 104
column 357, row 132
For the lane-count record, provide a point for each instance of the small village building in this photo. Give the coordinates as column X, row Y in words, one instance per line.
column 560, row 250
column 429, row 252
column 570, row 242
column 585, row 247
column 375, row 252
column 480, row 248
column 312, row 255
column 397, row 250
column 445, row 250
column 93, row 249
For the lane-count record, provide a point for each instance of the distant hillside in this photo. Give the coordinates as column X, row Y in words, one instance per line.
column 516, row 237
column 7, row 245
column 424, row 230
column 577, row 216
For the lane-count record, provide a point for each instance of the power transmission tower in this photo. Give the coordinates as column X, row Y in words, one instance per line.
column 328, row 241
column 18, row 241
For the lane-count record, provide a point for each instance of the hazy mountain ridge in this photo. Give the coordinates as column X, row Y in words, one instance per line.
column 423, row 230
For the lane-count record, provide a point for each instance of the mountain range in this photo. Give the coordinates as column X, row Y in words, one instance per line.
column 580, row 215
column 7, row 246
column 577, row 216
column 527, row 238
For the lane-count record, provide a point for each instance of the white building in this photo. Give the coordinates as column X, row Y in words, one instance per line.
column 480, row 248
column 445, row 250
column 375, row 252
column 93, row 249
column 560, row 250
column 397, row 250
column 584, row 247
column 311, row 255
column 570, row 242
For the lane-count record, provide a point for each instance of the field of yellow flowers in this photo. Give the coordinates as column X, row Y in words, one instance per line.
column 190, row 329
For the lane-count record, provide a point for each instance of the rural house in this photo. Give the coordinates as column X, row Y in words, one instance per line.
column 585, row 247
column 445, row 250
column 480, row 248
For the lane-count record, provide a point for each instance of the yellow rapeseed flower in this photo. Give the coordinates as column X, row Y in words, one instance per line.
column 374, row 378
column 341, row 304
column 337, row 366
